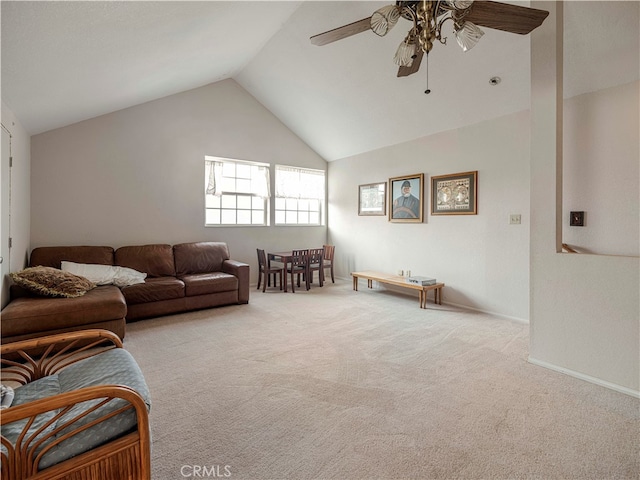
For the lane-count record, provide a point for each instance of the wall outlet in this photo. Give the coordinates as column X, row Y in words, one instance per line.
column 515, row 219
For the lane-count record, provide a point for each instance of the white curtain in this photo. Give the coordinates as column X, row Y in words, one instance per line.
column 294, row 182
column 213, row 177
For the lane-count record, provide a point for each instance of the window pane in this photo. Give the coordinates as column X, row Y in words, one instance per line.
column 228, row 184
column 243, row 185
column 257, row 217
column 300, row 192
column 292, row 217
column 228, row 217
column 212, row 201
column 244, row 202
column 292, row 204
column 228, row 201
column 228, row 169
column 212, row 217
column 244, row 217
column 243, row 170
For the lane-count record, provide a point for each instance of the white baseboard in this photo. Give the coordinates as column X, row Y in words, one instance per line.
column 586, row 378
column 488, row 312
column 404, row 291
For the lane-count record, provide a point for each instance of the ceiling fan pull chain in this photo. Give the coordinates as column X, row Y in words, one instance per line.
column 427, row 91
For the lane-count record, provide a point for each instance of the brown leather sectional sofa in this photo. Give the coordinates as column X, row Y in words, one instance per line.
column 182, row 277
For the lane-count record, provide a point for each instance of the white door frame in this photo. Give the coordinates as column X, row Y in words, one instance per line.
column 5, row 215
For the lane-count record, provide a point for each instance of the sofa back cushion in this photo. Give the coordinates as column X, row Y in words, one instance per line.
column 200, row 257
column 54, row 256
column 154, row 260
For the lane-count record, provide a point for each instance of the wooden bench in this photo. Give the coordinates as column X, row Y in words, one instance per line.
column 400, row 281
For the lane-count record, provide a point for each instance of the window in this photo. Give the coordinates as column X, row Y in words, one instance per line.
column 236, row 192
column 299, row 196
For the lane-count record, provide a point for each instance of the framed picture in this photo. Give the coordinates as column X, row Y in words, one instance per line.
column 405, row 198
column 372, row 199
column 455, row 194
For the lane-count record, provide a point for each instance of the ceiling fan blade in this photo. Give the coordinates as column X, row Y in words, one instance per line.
column 506, row 17
column 415, row 65
column 342, row 32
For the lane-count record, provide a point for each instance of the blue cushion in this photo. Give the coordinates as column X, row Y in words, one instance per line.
column 45, row 387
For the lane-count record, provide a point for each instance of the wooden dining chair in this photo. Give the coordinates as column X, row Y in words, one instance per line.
column 327, row 261
column 265, row 270
column 299, row 266
column 316, row 258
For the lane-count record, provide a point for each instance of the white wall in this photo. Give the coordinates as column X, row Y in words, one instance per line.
column 20, row 194
column 585, row 309
column 482, row 259
column 136, row 176
column 601, row 170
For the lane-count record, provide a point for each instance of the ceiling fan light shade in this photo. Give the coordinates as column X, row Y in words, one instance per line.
column 460, row 4
column 468, row 35
column 405, row 54
column 384, row 19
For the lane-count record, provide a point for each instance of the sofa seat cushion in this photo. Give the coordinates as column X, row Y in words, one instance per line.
column 26, row 315
column 205, row 283
column 154, row 290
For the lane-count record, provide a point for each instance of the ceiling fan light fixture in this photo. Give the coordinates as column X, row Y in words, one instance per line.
column 384, row 19
column 405, row 54
column 468, row 35
column 460, row 4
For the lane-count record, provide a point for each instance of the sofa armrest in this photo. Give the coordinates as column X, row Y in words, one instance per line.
column 241, row 272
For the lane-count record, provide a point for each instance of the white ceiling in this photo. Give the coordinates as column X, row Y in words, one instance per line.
column 66, row 61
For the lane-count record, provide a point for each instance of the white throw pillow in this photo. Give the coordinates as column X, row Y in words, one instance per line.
column 105, row 274
column 128, row 276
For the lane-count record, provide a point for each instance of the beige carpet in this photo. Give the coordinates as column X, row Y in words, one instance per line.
column 337, row 384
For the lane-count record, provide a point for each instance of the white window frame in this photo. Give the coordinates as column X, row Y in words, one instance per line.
column 300, row 196
column 229, row 197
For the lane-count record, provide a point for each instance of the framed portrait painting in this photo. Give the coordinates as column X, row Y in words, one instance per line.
column 405, row 198
column 455, row 194
column 372, row 199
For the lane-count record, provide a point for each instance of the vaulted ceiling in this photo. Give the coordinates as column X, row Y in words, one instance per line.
column 63, row 62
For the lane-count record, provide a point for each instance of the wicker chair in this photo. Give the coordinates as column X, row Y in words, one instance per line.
column 38, row 435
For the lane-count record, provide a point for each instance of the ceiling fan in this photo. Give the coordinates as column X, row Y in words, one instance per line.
column 428, row 17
